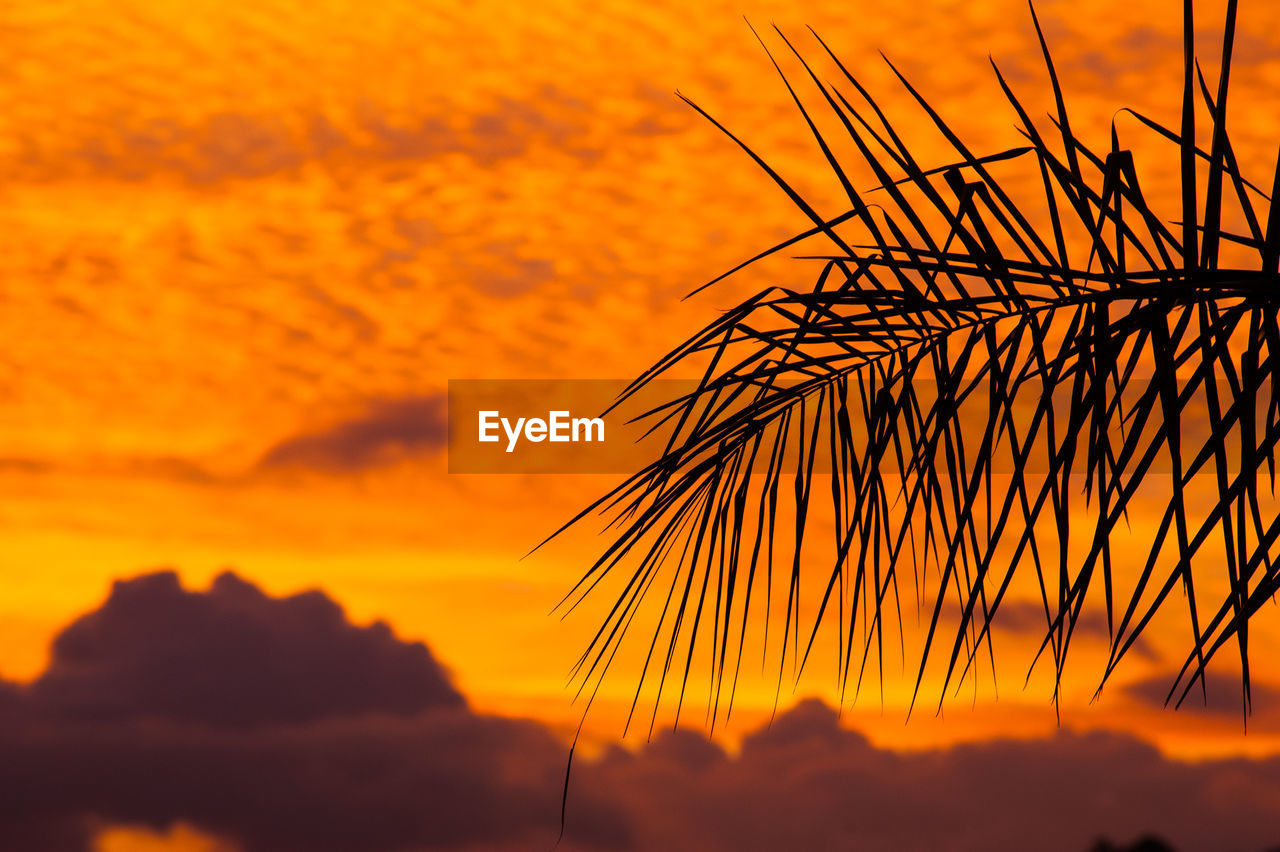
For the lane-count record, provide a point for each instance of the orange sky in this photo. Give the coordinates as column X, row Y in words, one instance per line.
column 224, row 227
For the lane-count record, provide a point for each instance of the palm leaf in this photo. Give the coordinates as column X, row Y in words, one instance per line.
column 984, row 389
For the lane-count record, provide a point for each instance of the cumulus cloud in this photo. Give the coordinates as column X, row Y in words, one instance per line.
column 808, row 783
column 278, row 726
column 232, row 656
column 447, row 779
column 272, row 721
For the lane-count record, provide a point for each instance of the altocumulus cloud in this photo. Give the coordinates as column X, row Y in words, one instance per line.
column 278, row 725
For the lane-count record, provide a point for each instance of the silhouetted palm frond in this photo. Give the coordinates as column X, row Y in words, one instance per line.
column 989, row 384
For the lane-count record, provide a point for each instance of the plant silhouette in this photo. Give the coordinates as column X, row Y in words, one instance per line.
column 985, row 388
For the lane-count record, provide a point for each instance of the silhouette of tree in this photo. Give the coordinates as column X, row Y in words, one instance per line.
column 984, row 387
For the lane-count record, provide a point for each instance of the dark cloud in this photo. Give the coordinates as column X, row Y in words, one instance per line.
column 232, row 656
column 387, row 430
column 12, row 703
column 273, row 722
column 445, row 779
column 1220, row 695
column 1027, row 618
column 1142, row 844
column 808, row 783
column 277, row 726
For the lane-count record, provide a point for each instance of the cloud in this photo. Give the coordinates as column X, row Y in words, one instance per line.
column 447, row 779
column 275, row 725
column 273, row 722
column 232, row 656
column 808, row 783
column 1147, row 843
column 223, row 144
column 387, row 430
column 1027, row 618
column 501, row 272
column 1221, row 695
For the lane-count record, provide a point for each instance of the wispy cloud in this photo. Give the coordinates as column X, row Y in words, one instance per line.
column 386, row 431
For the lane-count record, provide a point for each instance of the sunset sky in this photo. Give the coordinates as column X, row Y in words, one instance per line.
column 244, row 247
